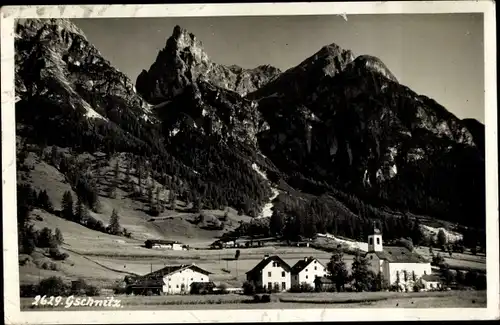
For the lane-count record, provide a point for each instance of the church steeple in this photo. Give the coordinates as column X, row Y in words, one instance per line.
column 375, row 241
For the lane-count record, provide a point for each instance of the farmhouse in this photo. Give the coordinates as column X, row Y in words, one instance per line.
column 431, row 282
column 164, row 244
column 272, row 273
column 174, row 279
column 306, row 270
column 398, row 265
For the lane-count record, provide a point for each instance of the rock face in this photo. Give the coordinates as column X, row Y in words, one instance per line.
column 53, row 56
column 357, row 129
column 183, row 62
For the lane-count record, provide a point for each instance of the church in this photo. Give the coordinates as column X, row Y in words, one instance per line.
column 398, row 265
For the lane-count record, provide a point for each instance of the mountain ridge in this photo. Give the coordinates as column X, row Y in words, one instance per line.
column 335, row 123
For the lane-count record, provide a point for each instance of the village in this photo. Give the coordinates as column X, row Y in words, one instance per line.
column 380, row 268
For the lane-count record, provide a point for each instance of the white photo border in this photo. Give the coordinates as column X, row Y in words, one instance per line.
column 13, row 315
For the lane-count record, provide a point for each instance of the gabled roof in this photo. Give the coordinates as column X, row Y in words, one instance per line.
column 262, row 264
column 395, row 254
column 175, row 268
column 303, row 263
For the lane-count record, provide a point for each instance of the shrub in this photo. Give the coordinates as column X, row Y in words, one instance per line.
column 256, row 298
column 120, row 288
column 249, row 288
column 57, row 255
column 45, row 266
column 53, row 286
column 92, row 291
column 437, row 260
column 266, row 298
column 46, row 239
column 28, row 290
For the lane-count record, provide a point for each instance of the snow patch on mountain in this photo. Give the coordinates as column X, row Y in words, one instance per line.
column 91, row 113
column 267, row 210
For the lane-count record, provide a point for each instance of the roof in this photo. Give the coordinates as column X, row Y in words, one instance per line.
column 174, row 268
column 323, row 280
column 161, row 241
column 302, row 264
column 396, row 254
column 265, row 261
column 431, row 277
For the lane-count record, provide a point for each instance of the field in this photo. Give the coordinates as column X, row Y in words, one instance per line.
column 455, row 299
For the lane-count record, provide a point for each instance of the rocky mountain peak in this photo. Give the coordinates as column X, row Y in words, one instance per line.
column 183, row 62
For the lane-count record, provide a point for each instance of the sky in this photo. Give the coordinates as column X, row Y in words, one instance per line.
column 437, row 55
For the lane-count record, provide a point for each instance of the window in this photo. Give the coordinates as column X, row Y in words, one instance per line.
column 306, row 270
column 169, row 286
column 295, row 277
column 283, row 285
column 370, row 241
column 269, row 274
column 177, row 286
column 371, row 257
column 283, row 274
column 307, row 276
column 378, row 241
column 315, row 268
column 191, row 279
column 269, row 285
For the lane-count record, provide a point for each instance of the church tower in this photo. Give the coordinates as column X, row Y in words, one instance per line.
column 375, row 241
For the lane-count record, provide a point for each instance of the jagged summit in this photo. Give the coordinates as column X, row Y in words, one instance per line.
column 183, row 61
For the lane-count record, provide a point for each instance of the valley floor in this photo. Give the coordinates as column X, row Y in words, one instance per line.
column 450, row 299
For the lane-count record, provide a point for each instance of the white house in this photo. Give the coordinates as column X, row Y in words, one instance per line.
column 271, row 273
column 164, row 244
column 175, row 279
column 398, row 265
column 306, row 270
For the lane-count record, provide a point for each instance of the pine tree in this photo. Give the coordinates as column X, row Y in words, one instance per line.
column 276, row 223
column 338, row 270
column 79, row 211
column 58, row 236
column 380, row 283
column 361, row 273
column 172, row 198
column 43, row 201
column 114, row 223
column 441, row 238
column 417, row 235
column 67, row 205
column 159, row 206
